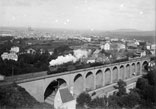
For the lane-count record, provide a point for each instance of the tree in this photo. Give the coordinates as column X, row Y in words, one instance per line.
column 147, row 87
column 121, row 86
column 60, row 50
column 151, row 77
column 14, row 96
column 99, row 102
column 141, row 83
column 83, row 100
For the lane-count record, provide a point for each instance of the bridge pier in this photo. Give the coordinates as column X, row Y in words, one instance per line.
column 103, row 71
column 111, row 76
column 118, row 68
column 130, row 71
column 94, row 74
column 84, row 84
column 35, row 89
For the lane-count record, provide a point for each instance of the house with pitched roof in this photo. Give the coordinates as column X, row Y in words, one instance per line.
column 64, row 99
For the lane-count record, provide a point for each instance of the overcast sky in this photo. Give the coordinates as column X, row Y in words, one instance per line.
column 79, row 14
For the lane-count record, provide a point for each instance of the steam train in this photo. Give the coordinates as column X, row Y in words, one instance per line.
column 78, row 65
column 71, row 66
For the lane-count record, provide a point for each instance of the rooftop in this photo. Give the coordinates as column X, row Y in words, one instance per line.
column 66, row 96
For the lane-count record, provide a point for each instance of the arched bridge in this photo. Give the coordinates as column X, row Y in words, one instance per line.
column 98, row 80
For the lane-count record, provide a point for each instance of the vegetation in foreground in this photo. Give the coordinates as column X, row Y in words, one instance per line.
column 15, row 97
column 141, row 97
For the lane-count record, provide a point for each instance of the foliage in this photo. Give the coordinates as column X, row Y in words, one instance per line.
column 147, row 89
column 132, row 99
column 113, row 101
column 141, row 83
column 99, row 102
column 121, row 86
column 83, row 99
column 121, row 99
column 151, row 77
column 14, row 96
column 61, row 50
column 147, row 86
column 5, row 47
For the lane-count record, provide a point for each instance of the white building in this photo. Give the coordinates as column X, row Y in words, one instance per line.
column 143, row 53
column 2, row 77
column 64, row 99
column 4, row 55
column 105, row 46
column 30, row 51
column 153, row 52
column 123, row 40
column 148, row 46
column 9, row 56
column 153, row 46
column 136, row 42
column 114, row 39
column 91, row 59
column 121, row 46
column 51, row 52
column 14, row 49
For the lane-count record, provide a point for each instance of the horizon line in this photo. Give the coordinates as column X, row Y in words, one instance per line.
column 74, row 29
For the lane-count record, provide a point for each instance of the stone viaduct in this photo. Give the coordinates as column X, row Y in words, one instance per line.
column 97, row 81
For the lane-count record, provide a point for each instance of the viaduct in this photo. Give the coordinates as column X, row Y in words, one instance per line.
column 98, row 81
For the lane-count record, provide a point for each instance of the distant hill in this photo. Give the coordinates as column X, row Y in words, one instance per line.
column 149, row 36
column 135, row 33
column 126, row 30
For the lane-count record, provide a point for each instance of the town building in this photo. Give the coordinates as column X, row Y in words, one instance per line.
column 64, row 99
column 105, row 46
column 148, row 46
column 14, row 49
column 9, row 56
column 143, row 53
column 153, row 46
column 30, row 51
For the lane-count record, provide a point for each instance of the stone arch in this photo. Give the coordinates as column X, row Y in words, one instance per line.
column 53, row 87
column 89, row 81
column 138, row 68
column 144, row 67
column 78, row 84
column 127, row 71
column 133, row 70
column 107, row 76
column 99, row 79
column 121, row 72
column 115, row 74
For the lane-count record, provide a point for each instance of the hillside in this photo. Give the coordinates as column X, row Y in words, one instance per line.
column 15, row 97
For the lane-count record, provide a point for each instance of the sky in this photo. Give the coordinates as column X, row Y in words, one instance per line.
column 79, row 14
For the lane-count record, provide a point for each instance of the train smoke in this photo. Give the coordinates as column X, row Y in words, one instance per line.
column 78, row 54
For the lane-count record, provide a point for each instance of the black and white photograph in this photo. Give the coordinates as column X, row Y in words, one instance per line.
column 77, row 54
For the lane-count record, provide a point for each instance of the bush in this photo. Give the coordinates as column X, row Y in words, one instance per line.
column 141, row 83
column 113, row 101
column 99, row 102
column 121, row 86
column 147, row 87
column 132, row 99
column 14, row 96
column 83, row 99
